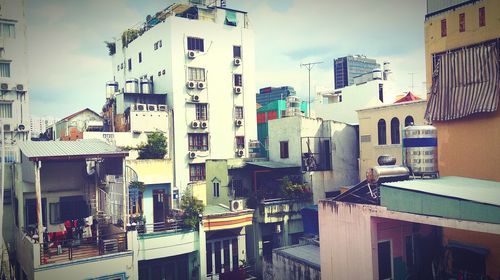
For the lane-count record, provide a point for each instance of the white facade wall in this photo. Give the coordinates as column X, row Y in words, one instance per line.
column 354, row 98
column 217, row 60
column 39, row 125
column 343, row 145
column 15, row 52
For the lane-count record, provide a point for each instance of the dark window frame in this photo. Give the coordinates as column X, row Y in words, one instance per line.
column 201, row 112
column 239, row 113
column 461, row 22
column 240, row 142
column 382, row 132
column 395, row 131
column 238, row 80
column 284, row 149
column 409, row 121
column 197, row 172
column 482, row 17
column 443, row 28
column 140, row 57
column 236, row 51
column 198, row 141
column 195, row 44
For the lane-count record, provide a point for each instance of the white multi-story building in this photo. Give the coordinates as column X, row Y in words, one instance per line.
column 14, row 98
column 39, row 125
column 202, row 58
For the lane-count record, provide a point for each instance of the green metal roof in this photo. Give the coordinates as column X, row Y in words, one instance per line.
column 46, row 150
column 272, row 164
column 215, row 209
column 482, row 191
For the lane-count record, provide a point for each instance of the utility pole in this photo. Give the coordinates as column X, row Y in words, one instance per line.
column 309, row 66
column 412, row 74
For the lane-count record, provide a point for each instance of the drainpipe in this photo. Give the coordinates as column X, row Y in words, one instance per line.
column 38, row 193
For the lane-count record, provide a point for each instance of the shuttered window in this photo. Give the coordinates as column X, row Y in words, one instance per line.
column 5, row 110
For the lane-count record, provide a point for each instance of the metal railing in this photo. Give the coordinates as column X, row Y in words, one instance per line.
column 71, row 249
column 167, row 226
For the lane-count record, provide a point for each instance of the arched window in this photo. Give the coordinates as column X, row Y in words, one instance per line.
column 409, row 121
column 395, row 131
column 382, row 140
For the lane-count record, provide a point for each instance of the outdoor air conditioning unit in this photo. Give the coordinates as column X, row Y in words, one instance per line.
column 6, row 127
column 204, row 124
column 22, row 127
column 191, row 54
column 236, row 205
column 195, row 124
column 162, row 108
column 4, row 86
column 195, row 98
column 20, row 87
column 237, row 61
column 140, row 107
column 240, row 153
column 152, row 107
column 238, row 122
column 238, row 90
column 190, row 84
column 201, row 85
column 192, row 155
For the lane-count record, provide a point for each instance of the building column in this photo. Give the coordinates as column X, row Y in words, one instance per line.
column 125, row 188
column 202, row 250
column 285, row 231
column 38, row 194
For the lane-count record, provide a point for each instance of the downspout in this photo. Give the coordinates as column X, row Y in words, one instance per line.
column 38, row 193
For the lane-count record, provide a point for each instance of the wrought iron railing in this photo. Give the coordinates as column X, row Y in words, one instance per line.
column 167, row 226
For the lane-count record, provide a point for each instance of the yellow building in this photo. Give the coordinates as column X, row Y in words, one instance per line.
column 468, row 146
column 462, row 43
column 381, row 128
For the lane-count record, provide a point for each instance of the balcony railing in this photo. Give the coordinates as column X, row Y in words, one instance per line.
column 72, row 249
column 168, row 226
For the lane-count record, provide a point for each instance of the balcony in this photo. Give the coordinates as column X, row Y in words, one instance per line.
column 275, row 210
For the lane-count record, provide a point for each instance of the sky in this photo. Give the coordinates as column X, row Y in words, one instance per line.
column 68, row 62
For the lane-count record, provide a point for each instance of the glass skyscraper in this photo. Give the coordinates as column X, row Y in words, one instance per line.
column 348, row 67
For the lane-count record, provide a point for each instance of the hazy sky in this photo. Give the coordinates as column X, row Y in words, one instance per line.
column 69, row 63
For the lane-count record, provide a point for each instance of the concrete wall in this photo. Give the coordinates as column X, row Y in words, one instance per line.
column 368, row 127
column 79, row 122
column 217, row 59
column 217, row 171
column 286, row 268
column 163, row 244
column 476, row 137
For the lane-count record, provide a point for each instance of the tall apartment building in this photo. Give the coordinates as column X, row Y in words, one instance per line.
column 348, row 67
column 202, row 57
column 14, row 100
column 39, row 125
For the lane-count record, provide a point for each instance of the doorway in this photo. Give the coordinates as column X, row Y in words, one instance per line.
column 160, row 207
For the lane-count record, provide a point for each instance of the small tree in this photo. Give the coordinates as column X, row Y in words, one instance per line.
column 155, row 148
column 192, row 208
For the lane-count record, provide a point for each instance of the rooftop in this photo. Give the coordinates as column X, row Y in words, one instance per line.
column 306, row 254
column 53, row 150
column 272, row 164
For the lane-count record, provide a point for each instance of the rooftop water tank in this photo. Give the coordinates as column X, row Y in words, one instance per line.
column 146, row 86
column 111, row 88
column 420, row 147
column 132, row 86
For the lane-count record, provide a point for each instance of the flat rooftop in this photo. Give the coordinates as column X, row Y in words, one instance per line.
column 306, row 254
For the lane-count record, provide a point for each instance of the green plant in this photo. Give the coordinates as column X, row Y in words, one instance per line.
column 192, row 209
column 295, row 190
column 155, row 148
column 111, row 47
column 137, row 185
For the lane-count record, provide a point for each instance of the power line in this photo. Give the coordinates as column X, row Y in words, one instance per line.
column 309, row 66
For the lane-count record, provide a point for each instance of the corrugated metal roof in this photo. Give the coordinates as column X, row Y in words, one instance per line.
column 79, row 148
column 308, row 254
column 272, row 164
column 215, row 209
column 481, row 191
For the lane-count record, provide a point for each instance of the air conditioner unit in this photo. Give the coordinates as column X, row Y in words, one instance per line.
column 192, row 155
column 191, row 54
column 22, row 127
column 140, row 107
column 152, row 107
column 19, row 87
column 4, row 86
column 162, row 108
column 195, row 98
column 190, row 84
column 204, row 124
column 201, row 85
column 195, row 124
column 6, row 127
column 238, row 90
column 236, row 205
column 238, row 122
column 240, row 152
column 237, row 61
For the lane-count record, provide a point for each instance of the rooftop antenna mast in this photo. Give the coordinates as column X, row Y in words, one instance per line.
column 412, row 74
column 309, row 66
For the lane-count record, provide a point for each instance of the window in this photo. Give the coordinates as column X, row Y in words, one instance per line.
column 409, row 121
column 30, row 212
column 395, row 131
column 118, row 67
column 461, row 22
column 201, row 112
column 7, row 30
column 140, row 57
column 410, row 253
column 381, row 92
column 381, row 132
column 5, row 69
column 237, row 51
column 129, row 64
column 443, row 28
column 121, row 65
column 384, row 260
column 55, row 214
column 157, row 45
column 195, row 44
column 197, row 172
column 5, row 110
column 283, row 149
column 216, row 189
column 196, row 74
column 482, row 17
column 238, row 112
column 198, row 141
column 240, row 142
column 238, row 80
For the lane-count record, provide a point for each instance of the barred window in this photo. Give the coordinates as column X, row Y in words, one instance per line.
column 198, row 141
column 197, row 172
column 238, row 80
column 240, row 142
column 195, row 44
column 196, row 74
column 382, row 140
column 7, row 30
column 5, row 110
column 201, row 112
column 5, row 69
column 238, row 112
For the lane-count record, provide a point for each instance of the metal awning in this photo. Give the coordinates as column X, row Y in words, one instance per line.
column 272, row 164
column 231, row 18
